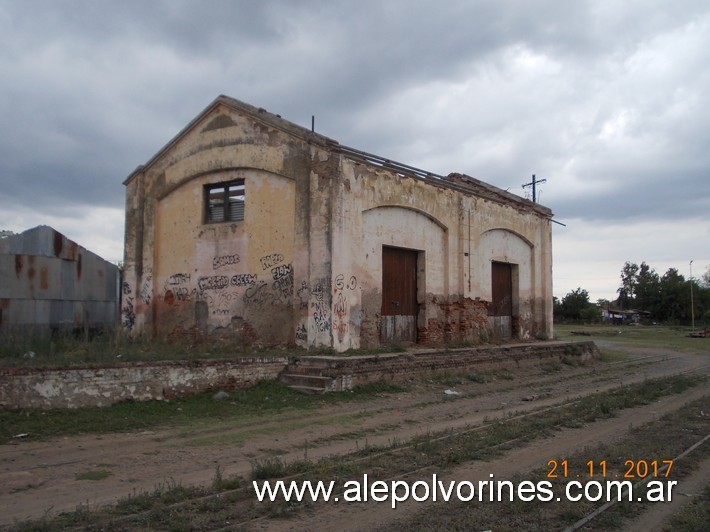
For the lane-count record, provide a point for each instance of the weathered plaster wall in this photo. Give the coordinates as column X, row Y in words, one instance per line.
column 512, row 234
column 231, row 280
column 457, row 235
column 219, row 277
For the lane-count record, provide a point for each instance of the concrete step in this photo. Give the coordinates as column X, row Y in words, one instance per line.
column 308, row 389
column 294, row 380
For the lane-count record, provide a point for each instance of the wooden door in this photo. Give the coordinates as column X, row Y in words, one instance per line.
column 399, row 296
column 500, row 313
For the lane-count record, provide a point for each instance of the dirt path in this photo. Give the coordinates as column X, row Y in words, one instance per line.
column 371, row 516
column 656, row 518
column 40, row 477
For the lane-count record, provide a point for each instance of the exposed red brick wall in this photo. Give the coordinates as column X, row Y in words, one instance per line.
column 462, row 320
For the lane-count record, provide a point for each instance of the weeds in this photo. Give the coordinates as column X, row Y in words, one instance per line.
column 274, row 467
column 219, row 483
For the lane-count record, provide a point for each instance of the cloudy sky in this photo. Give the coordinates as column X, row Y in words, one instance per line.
column 607, row 100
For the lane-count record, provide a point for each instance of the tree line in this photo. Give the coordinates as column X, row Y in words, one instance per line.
column 660, row 298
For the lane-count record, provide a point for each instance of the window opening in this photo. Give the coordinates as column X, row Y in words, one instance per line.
column 224, row 202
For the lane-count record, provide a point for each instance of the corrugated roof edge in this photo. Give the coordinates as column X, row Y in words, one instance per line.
column 45, row 235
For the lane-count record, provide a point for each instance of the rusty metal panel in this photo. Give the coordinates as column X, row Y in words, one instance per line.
column 48, row 281
column 399, row 282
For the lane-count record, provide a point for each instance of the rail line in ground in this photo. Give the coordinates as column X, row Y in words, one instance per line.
column 246, row 501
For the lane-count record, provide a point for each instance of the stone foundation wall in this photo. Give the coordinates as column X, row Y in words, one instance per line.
column 355, row 371
column 102, row 386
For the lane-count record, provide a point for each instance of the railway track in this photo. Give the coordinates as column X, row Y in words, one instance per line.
column 242, row 501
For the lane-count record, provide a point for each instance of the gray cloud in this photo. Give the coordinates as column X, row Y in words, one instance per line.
column 605, row 100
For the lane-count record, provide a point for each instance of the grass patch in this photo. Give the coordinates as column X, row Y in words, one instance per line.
column 267, row 400
column 99, row 474
column 656, row 336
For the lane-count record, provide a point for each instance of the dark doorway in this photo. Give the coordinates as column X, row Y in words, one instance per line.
column 399, row 296
column 500, row 313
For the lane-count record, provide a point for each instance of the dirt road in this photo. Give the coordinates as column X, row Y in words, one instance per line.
column 41, row 477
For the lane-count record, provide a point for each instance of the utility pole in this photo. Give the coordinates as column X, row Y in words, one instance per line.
column 533, row 183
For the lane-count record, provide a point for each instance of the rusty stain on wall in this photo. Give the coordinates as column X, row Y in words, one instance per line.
column 304, row 265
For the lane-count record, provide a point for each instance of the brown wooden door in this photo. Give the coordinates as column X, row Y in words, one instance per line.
column 501, row 310
column 399, row 295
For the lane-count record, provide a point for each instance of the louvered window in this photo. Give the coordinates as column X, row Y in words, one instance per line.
column 224, row 202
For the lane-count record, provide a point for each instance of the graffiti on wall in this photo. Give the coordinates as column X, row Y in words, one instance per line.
column 303, row 294
column 269, row 261
column 321, row 305
column 341, row 304
column 224, row 260
column 283, row 283
column 243, row 279
column 147, row 287
column 213, row 282
column 177, row 289
column 301, row 333
column 327, row 300
column 221, row 292
column 128, row 315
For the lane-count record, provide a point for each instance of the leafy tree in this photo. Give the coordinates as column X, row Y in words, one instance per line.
column 629, row 282
column 705, row 279
column 666, row 297
column 590, row 313
column 674, row 297
column 574, row 304
column 556, row 307
column 648, row 289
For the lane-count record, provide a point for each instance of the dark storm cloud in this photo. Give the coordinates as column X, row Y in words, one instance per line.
column 604, row 99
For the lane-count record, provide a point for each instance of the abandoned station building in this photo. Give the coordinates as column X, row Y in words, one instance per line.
column 248, row 228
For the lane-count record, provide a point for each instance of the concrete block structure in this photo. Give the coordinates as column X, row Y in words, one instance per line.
column 49, row 283
column 250, row 229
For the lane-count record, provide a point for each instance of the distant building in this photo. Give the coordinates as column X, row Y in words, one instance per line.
column 623, row 316
column 50, row 284
column 248, row 228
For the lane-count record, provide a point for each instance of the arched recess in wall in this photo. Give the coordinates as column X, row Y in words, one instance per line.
column 507, row 280
column 405, row 227
column 412, row 233
column 505, row 246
